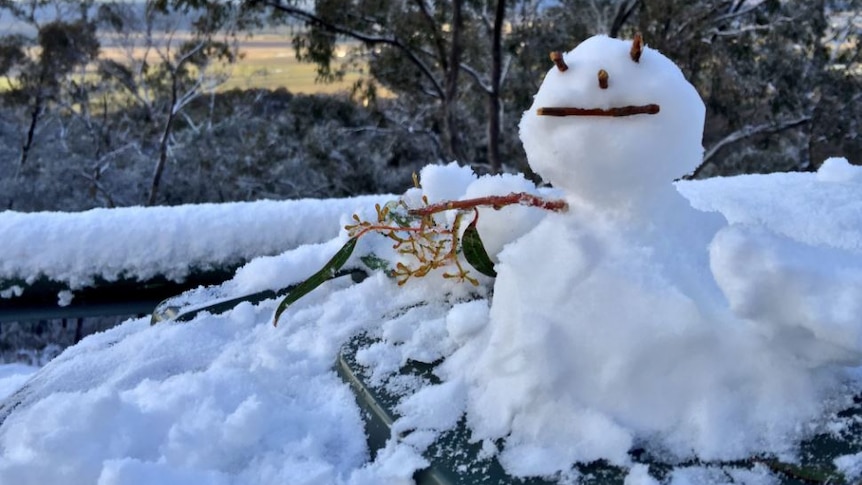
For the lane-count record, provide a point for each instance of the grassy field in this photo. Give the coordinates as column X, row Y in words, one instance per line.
column 267, row 62
column 272, row 64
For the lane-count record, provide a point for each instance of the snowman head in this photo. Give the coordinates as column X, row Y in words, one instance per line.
column 614, row 123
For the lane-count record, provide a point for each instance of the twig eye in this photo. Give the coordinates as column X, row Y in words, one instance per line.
column 603, row 79
column 557, row 57
column 637, row 47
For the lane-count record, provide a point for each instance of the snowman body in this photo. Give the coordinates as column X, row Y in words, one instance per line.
column 607, row 328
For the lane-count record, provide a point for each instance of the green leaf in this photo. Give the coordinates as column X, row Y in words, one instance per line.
column 474, row 251
column 326, row 273
column 399, row 214
column 375, row 263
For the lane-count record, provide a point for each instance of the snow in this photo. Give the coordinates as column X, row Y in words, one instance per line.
column 141, row 243
column 12, row 377
column 710, row 327
column 499, row 227
column 639, row 475
column 813, row 209
column 850, row 465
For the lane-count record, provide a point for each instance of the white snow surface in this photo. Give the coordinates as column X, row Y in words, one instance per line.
column 229, row 399
column 713, row 332
column 140, row 243
column 12, row 377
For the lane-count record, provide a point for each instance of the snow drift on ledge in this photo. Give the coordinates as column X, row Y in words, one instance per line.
column 140, row 243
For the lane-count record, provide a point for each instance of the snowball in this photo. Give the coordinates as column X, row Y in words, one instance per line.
column 445, row 182
column 600, row 343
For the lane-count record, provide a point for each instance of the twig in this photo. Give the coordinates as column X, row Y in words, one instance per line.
column 637, row 48
column 383, row 228
column 495, row 201
column 557, row 57
column 603, row 79
column 646, row 109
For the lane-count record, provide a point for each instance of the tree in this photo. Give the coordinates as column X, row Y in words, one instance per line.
column 61, row 46
column 165, row 72
column 756, row 64
column 835, row 120
column 409, row 53
column 38, row 59
column 444, row 54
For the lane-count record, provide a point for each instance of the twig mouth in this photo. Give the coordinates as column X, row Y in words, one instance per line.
column 645, row 109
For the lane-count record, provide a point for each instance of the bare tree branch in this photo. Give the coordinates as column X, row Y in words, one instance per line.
column 747, row 132
column 734, row 14
column 745, row 29
column 477, row 77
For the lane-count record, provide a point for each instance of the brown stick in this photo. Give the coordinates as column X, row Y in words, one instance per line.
column 646, row 109
column 557, row 57
column 637, row 47
column 603, row 79
column 495, row 201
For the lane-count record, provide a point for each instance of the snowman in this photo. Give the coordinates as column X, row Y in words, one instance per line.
column 607, row 331
column 613, row 124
